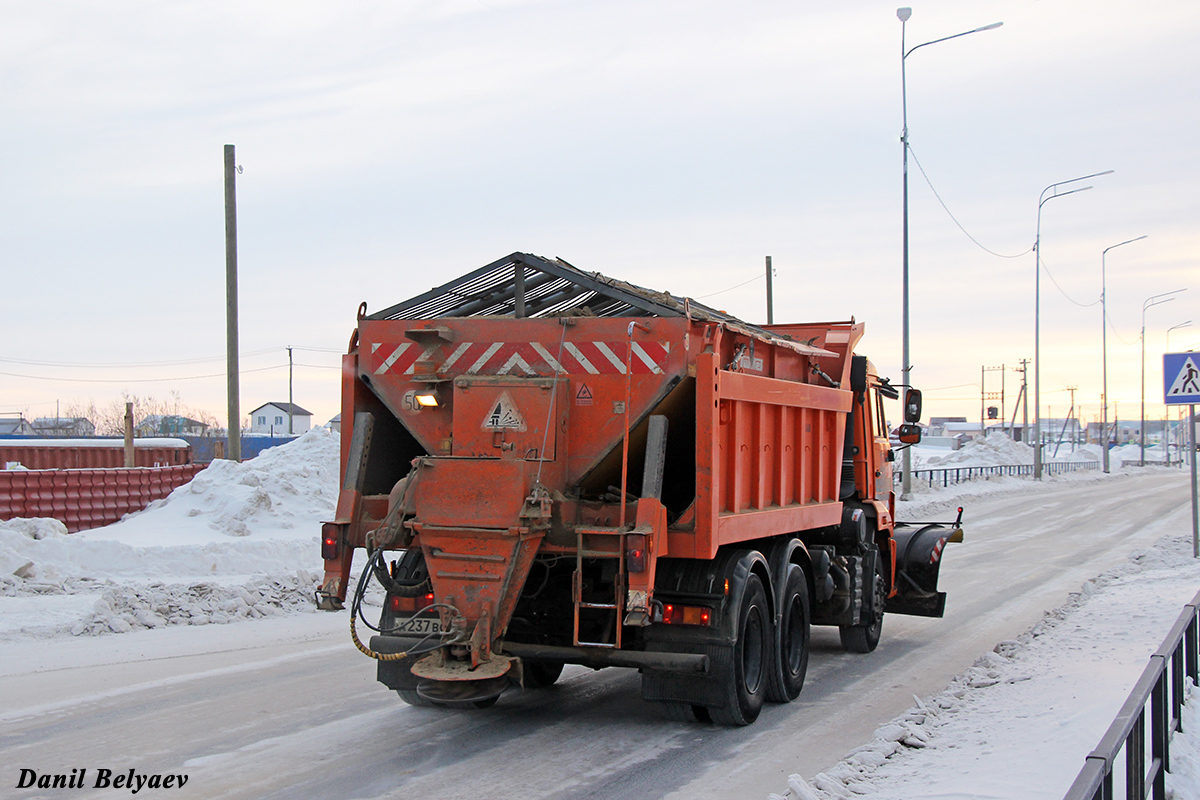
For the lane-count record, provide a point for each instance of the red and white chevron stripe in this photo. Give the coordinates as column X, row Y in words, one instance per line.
column 516, row 358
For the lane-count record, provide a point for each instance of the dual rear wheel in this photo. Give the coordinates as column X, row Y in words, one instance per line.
column 769, row 657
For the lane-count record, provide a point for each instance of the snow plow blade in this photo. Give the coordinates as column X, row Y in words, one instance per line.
column 918, row 559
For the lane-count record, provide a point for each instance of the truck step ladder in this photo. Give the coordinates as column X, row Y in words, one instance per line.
column 600, row 547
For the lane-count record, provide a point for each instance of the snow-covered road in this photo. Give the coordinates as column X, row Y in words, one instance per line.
column 284, row 706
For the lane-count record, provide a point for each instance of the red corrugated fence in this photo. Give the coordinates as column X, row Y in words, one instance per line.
column 91, row 454
column 87, row 498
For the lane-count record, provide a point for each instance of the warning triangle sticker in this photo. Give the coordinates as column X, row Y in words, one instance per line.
column 1187, row 381
column 504, row 416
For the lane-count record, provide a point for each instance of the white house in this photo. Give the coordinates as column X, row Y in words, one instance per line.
column 272, row 419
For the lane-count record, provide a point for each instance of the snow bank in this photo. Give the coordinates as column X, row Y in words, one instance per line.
column 240, row 541
column 996, row 450
column 999, row 450
column 1183, row 781
column 1041, row 701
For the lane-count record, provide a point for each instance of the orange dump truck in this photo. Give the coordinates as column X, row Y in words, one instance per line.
column 548, row 466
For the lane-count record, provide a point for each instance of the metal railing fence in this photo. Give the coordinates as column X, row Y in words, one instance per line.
column 946, row 476
column 1160, row 691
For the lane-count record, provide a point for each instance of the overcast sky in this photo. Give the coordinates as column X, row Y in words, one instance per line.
column 390, row 146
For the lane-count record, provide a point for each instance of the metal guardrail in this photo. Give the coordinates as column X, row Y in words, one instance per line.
column 948, row 475
column 1161, row 692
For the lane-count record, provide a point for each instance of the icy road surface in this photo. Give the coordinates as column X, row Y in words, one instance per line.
column 285, row 707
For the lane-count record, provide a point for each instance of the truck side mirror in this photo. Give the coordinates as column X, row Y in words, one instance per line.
column 912, row 405
column 909, row 434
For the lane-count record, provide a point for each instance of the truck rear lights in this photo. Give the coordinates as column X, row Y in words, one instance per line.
column 411, row 604
column 331, row 538
column 635, row 552
column 671, row 614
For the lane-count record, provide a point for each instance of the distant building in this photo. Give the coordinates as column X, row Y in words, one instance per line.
column 937, row 425
column 15, row 426
column 335, row 424
column 1126, row 431
column 963, row 431
column 63, row 427
column 272, row 419
column 170, row 425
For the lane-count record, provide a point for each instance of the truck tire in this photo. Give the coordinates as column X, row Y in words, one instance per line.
column 864, row 637
column 745, row 682
column 540, row 674
column 789, row 663
column 411, row 697
column 685, row 712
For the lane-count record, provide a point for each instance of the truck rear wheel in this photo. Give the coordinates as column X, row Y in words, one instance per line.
column 411, row 697
column 785, row 679
column 540, row 674
column 686, row 712
column 746, row 679
column 864, row 637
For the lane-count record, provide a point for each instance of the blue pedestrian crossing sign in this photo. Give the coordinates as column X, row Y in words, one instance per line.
column 1181, row 378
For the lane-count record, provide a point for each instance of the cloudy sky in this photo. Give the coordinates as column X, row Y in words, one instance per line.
column 390, row 146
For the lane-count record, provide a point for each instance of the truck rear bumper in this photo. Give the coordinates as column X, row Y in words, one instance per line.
column 604, row 657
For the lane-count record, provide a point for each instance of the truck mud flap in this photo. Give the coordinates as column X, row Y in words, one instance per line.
column 918, row 560
column 398, row 674
column 694, row 689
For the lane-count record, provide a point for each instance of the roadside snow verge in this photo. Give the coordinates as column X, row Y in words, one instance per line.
column 1039, row 701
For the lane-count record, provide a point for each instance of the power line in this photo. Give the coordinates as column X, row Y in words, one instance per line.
column 955, row 386
column 951, row 215
column 170, row 363
column 1060, row 289
column 126, row 364
column 1113, row 326
column 731, row 288
column 135, row 380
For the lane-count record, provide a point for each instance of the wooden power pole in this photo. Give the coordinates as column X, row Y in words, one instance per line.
column 231, row 307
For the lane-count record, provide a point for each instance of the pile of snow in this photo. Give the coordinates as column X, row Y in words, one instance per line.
column 1132, row 453
column 240, row 541
column 996, row 450
column 1025, row 699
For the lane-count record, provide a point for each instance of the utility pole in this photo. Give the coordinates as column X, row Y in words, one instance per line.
column 231, row 307
column 770, row 297
column 1062, row 434
column 985, row 395
column 130, row 459
column 289, row 390
column 1072, row 389
column 1025, row 403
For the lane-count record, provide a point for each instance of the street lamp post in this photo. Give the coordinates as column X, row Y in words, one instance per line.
column 1167, row 349
column 903, row 14
column 1175, row 327
column 1156, row 300
column 1104, row 345
column 1043, row 198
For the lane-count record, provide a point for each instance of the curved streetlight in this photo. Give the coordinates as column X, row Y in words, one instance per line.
column 1104, row 345
column 1168, row 349
column 1043, row 198
column 903, row 15
column 1175, row 327
column 1155, row 300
